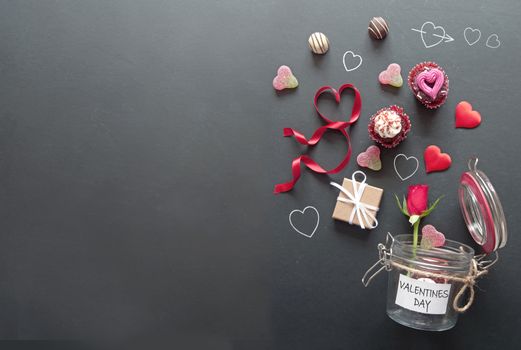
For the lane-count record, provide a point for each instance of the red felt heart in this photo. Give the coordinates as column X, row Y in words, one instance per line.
column 435, row 160
column 466, row 117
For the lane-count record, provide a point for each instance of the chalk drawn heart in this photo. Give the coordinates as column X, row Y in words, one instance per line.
column 350, row 60
column 434, row 34
column 472, row 35
column 302, row 212
column 431, row 237
column 493, row 41
column 401, row 155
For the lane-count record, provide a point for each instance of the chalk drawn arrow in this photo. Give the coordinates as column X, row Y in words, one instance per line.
column 428, row 30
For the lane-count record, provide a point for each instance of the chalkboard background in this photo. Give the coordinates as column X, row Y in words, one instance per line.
column 140, row 142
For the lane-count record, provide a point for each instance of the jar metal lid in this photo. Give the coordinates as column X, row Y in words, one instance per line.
column 482, row 209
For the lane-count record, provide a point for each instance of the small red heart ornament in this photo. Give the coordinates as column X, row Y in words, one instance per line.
column 435, row 160
column 431, row 237
column 466, row 117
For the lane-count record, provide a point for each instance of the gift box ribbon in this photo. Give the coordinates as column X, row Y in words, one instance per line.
column 317, row 135
column 360, row 209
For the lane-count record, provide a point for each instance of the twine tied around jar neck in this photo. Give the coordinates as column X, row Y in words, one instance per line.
column 479, row 267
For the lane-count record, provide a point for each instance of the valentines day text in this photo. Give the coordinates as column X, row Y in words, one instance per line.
column 424, row 296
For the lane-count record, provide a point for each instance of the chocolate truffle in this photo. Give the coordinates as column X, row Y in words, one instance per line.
column 378, row 28
column 318, row 43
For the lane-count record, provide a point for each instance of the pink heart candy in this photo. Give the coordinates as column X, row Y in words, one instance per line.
column 370, row 158
column 391, row 75
column 434, row 77
column 431, row 237
column 284, row 79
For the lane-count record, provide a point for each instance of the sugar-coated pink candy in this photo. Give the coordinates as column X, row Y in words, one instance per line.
column 391, row 76
column 370, row 158
column 431, row 237
column 284, row 79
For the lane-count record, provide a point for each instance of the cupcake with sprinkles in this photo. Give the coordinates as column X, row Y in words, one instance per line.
column 389, row 126
column 378, row 28
column 429, row 84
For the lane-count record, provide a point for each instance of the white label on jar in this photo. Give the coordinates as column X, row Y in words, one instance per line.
column 422, row 295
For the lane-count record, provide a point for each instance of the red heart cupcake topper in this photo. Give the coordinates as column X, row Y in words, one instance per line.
column 466, row 117
column 317, row 135
column 435, row 160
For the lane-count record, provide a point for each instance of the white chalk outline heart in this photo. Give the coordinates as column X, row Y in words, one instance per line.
column 354, row 56
column 434, row 28
column 472, row 30
column 302, row 212
column 497, row 39
column 406, row 158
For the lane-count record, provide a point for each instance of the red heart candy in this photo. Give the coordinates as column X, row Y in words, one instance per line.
column 435, row 160
column 466, row 117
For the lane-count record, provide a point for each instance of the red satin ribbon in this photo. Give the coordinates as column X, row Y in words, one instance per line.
column 317, row 135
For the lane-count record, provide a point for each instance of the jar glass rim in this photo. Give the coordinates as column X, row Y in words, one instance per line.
column 454, row 255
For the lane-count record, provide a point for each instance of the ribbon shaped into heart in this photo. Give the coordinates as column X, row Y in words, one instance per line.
column 317, row 135
column 360, row 209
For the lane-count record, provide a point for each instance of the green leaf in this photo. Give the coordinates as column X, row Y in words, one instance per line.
column 405, row 206
column 402, row 209
column 398, row 202
column 432, row 207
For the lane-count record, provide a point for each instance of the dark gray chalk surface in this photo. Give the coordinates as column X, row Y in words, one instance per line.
column 140, row 142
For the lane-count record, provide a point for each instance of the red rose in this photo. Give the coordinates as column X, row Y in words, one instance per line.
column 417, row 199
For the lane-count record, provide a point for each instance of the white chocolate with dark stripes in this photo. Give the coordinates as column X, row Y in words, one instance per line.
column 318, row 43
column 378, row 28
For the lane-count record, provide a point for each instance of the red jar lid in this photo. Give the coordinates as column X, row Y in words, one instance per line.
column 482, row 209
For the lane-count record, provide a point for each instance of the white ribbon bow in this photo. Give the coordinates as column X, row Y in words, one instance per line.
column 360, row 209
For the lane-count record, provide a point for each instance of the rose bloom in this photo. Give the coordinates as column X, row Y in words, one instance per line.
column 417, row 198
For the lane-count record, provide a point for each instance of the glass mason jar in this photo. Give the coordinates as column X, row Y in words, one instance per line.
column 417, row 296
column 426, row 286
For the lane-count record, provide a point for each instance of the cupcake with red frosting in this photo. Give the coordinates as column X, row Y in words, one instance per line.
column 389, row 126
column 429, row 84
